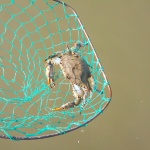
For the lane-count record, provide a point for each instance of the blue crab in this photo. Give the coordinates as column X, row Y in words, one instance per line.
column 75, row 69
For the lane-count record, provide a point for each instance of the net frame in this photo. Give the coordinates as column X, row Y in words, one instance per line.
column 74, row 128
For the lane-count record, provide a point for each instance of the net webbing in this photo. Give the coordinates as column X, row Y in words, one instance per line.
column 30, row 31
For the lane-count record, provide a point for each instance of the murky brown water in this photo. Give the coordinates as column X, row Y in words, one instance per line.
column 120, row 33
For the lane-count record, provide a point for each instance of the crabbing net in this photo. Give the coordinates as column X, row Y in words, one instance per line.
column 30, row 31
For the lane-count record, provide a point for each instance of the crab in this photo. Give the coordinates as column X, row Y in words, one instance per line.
column 76, row 70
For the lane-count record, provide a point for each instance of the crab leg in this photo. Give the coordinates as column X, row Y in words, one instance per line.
column 78, row 93
column 86, row 92
column 93, row 85
column 49, row 74
column 79, row 44
column 69, row 105
column 50, row 69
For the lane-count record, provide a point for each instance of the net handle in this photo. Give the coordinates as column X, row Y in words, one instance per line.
column 72, row 129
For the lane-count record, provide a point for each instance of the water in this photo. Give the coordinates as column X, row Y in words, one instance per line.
column 120, row 33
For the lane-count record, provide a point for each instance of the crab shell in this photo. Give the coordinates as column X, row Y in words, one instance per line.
column 76, row 70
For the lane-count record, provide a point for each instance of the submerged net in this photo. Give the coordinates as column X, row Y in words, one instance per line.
column 30, row 31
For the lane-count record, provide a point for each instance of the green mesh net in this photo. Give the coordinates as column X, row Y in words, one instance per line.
column 30, row 31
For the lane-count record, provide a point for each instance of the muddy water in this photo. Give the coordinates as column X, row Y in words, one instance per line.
column 120, row 34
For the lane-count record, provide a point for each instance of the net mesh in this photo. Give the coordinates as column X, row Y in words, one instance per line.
column 30, row 31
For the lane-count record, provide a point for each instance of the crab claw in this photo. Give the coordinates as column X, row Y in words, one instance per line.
column 57, row 109
column 65, row 106
column 49, row 74
column 51, row 82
